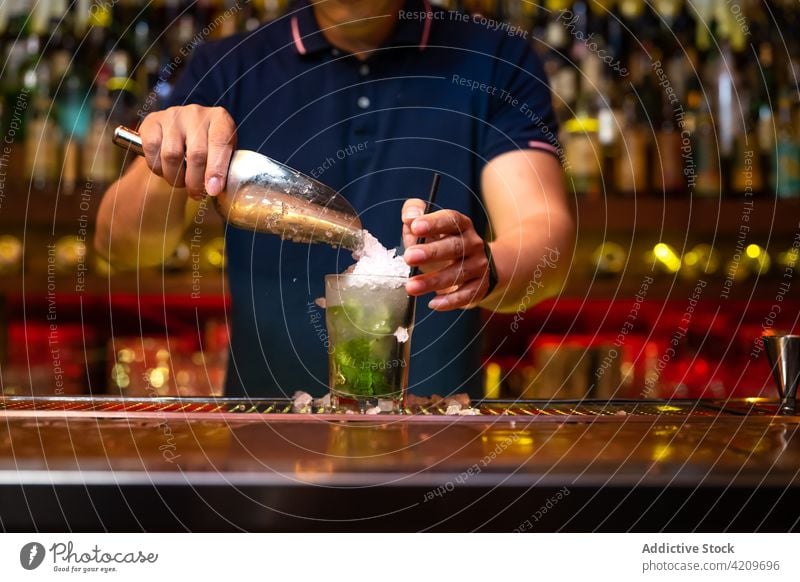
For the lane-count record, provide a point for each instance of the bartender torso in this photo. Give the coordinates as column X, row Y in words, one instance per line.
column 369, row 98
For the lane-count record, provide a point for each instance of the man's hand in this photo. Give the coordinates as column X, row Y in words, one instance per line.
column 452, row 259
column 190, row 146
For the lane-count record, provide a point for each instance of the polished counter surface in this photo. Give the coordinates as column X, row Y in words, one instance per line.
column 256, row 466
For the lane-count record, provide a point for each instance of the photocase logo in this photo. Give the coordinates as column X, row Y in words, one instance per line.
column 31, row 555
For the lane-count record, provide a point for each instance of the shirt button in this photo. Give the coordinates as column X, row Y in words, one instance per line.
column 363, row 102
column 336, row 52
column 364, row 70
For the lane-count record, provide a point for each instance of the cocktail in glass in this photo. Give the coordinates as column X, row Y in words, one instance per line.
column 369, row 342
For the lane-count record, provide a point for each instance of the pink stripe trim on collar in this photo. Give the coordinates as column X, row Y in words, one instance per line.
column 298, row 42
column 426, row 32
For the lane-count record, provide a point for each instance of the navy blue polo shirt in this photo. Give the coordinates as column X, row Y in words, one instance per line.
column 444, row 94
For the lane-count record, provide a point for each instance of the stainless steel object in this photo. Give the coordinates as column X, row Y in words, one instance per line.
column 783, row 352
column 266, row 196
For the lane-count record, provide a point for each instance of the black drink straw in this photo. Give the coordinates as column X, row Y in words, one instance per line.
column 412, row 301
column 428, row 208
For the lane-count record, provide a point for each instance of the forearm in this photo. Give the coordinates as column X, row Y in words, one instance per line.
column 531, row 261
column 140, row 220
column 526, row 199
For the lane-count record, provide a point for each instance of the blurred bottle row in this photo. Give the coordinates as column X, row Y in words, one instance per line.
column 669, row 97
column 663, row 97
column 737, row 262
column 75, row 69
column 70, row 254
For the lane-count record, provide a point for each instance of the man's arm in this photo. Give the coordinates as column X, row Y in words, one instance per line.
column 142, row 216
column 525, row 197
column 141, row 219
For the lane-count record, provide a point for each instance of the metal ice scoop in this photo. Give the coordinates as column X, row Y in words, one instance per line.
column 266, row 196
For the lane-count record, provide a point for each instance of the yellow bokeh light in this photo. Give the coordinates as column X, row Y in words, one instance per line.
column 158, row 377
column 753, row 251
column 667, row 257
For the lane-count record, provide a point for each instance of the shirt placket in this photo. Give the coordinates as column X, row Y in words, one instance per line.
column 361, row 133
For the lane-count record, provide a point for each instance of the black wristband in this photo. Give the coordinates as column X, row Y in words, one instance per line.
column 492, row 273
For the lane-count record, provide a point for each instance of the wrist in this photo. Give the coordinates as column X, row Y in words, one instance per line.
column 491, row 270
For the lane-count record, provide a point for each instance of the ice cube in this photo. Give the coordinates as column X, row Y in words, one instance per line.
column 453, row 408
column 401, row 333
column 301, row 401
column 324, row 402
column 373, row 410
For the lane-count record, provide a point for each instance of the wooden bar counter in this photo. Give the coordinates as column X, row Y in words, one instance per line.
column 81, row 464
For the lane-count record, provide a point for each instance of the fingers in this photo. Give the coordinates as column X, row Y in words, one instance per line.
column 196, row 155
column 453, row 275
column 441, row 222
column 412, row 208
column 190, row 146
column 467, row 296
column 173, row 147
column 447, row 248
column 221, row 142
column 150, row 131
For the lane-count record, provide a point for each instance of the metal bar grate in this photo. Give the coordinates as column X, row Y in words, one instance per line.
column 703, row 408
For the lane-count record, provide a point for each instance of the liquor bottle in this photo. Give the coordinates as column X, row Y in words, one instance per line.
column 666, row 174
column 745, row 165
column 519, row 14
column 668, row 10
column 704, row 10
column 42, row 139
column 705, row 153
column 631, row 169
column 764, row 72
column 73, row 114
column 100, row 159
column 272, row 9
column 583, row 155
column 122, row 89
column 722, row 73
column 787, row 153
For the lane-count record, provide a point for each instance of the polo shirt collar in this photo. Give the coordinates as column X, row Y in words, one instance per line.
column 308, row 38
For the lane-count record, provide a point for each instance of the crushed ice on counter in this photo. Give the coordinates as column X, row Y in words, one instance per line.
column 375, row 259
column 469, row 412
column 453, row 408
column 301, row 401
column 373, row 410
column 401, row 333
column 324, row 402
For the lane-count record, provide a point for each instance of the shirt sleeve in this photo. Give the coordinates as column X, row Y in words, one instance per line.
column 520, row 113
